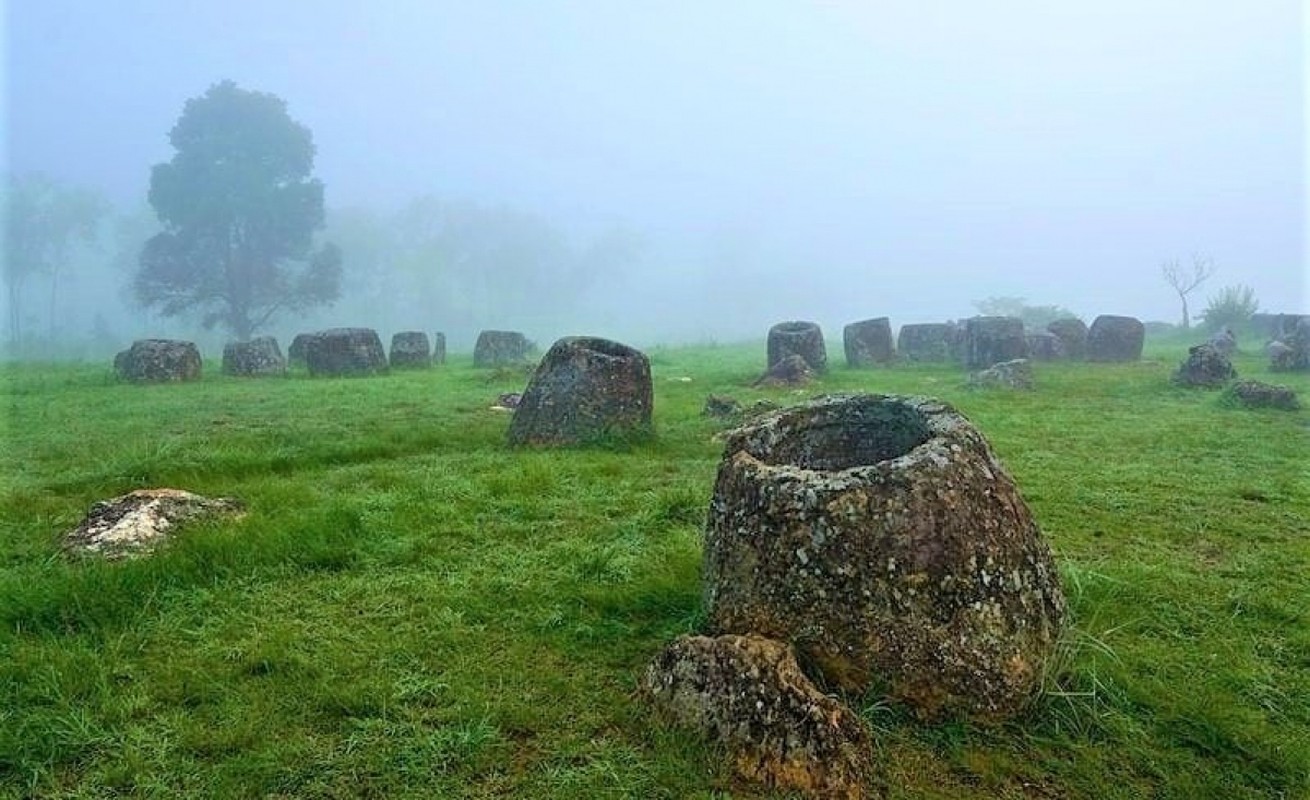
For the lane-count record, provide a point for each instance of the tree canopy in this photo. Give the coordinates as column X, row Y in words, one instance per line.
column 239, row 210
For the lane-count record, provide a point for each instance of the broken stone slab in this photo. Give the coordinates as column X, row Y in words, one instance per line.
column 748, row 694
column 1206, row 366
column 137, row 522
column 1016, row 374
column 1256, row 394
column 882, row 537
column 793, row 370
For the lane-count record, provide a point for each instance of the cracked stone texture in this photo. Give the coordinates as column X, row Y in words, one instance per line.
column 1256, row 394
column 1115, row 339
column 882, row 537
column 258, row 357
column 748, row 694
column 137, row 522
column 158, row 361
column 1016, row 374
column 790, row 371
column 1206, row 366
column 869, row 342
column 497, row 348
column 345, row 351
column 804, row 339
column 585, row 388
column 1045, row 346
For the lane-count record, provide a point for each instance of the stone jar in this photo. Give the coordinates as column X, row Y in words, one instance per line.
column 804, row 339
column 882, row 537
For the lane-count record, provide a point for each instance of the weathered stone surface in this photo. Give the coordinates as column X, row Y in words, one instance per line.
column 137, row 522
column 927, row 341
column 1045, row 346
column 1292, row 352
column 1254, row 394
column 439, row 348
column 296, row 352
column 869, row 342
column 1115, row 339
column 1286, row 325
column 882, row 537
column 748, row 694
column 1016, row 374
column 258, row 357
column 410, row 349
column 804, row 339
column 793, row 370
column 345, row 351
column 1206, row 367
column 1072, row 332
column 721, row 406
column 158, row 361
column 497, row 348
column 1224, row 341
column 1265, row 325
column 991, row 340
column 585, row 388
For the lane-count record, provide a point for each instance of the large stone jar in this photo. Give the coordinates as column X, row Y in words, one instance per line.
column 882, row 537
column 585, row 389
column 804, row 339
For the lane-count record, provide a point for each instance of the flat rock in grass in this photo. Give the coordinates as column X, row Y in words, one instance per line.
column 259, row 357
column 721, row 406
column 793, row 370
column 804, row 339
column 1206, row 366
column 748, row 694
column 1114, row 338
column 345, row 351
column 1255, row 394
column 883, row 538
column 137, row 522
column 158, row 361
column 585, row 389
column 1016, row 374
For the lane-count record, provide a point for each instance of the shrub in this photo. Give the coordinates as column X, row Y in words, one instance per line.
column 1232, row 307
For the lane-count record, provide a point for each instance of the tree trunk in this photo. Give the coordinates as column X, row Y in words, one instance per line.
column 1187, row 321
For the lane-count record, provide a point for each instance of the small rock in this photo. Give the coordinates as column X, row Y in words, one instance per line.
column 804, row 339
column 1254, row 394
column 748, row 694
column 721, row 406
column 135, row 523
column 1205, row 366
column 792, row 370
column 1016, row 374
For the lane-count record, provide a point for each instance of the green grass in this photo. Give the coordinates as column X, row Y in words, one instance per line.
column 411, row 609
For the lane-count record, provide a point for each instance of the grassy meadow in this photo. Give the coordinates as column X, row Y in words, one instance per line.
column 410, row 609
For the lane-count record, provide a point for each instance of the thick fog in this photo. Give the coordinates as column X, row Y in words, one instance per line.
column 693, row 171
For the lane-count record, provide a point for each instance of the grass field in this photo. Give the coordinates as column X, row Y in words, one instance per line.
column 412, row 610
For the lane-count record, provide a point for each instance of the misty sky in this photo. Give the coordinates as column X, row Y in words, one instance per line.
column 844, row 159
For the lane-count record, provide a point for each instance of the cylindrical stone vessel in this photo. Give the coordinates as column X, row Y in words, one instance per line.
column 258, row 357
column 1072, row 333
column 345, row 351
column 158, row 361
column 925, row 341
column 882, row 536
column 991, row 340
column 409, row 349
column 804, row 339
column 869, row 342
column 1115, row 338
column 585, row 389
column 439, row 348
column 296, row 352
column 495, row 348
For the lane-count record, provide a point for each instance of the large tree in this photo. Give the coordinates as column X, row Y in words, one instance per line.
column 239, row 211
column 44, row 222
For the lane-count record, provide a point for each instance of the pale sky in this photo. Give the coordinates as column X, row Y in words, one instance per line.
column 861, row 158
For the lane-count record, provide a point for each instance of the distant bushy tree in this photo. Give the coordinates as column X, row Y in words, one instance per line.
column 1033, row 316
column 43, row 222
column 1233, row 306
column 239, row 212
